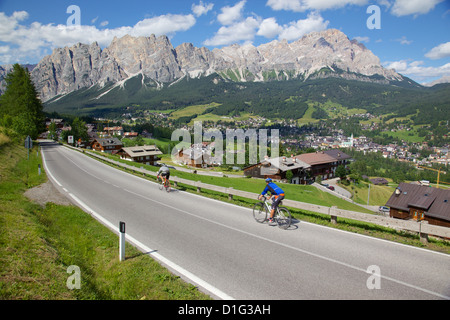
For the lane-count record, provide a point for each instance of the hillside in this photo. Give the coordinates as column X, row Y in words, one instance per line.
column 289, row 99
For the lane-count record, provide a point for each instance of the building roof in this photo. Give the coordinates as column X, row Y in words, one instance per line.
column 142, row 151
column 337, row 154
column 109, row 142
column 315, row 158
column 435, row 202
column 287, row 163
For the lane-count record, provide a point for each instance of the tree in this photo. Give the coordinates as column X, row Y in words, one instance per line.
column 341, row 172
column 20, row 107
column 289, row 176
column 52, row 131
column 139, row 141
column 78, row 131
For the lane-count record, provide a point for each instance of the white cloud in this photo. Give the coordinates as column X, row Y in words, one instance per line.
column 403, row 40
column 33, row 40
column 201, row 8
column 4, row 49
column 414, row 7
column 246, row 30
column 417, row 70
column 362, row 39
column 241, row 31
column 289, row 5
column 269, row 28
column 297, row 29
column 230, row 15
column 304, row 5
column 163, row 25
column 439, row 52
column 234, row 27
column 398, row 7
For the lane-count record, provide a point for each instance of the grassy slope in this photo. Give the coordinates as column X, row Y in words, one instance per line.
column 37, row 245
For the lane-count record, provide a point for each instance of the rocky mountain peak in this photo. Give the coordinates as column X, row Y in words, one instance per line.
column 80, row 66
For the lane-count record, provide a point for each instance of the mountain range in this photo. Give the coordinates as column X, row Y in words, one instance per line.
column 277, row 79
column 81, row 66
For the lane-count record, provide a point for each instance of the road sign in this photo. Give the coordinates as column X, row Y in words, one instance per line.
column 28, row 143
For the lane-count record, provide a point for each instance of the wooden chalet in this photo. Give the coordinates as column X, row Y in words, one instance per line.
column 321, row 164
column 304, row 167
column 276, row 168
column 412, row 201
column 142, row 154
column 108, row 145
column 198, row 156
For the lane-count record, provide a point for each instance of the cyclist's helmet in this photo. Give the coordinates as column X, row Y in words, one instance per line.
column 268, row 180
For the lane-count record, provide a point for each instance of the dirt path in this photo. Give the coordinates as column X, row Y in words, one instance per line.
column 46, row 192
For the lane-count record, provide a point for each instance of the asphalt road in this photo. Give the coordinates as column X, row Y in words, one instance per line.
column 221, row 248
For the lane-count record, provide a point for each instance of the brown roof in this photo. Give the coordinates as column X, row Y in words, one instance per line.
column 337, row 154
column 315, row 158
column 287, row 163
column 435, row 202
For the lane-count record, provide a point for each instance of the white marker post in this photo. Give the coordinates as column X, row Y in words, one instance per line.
column 122, row 241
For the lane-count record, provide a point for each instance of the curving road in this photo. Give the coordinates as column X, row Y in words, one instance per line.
column 220, row 247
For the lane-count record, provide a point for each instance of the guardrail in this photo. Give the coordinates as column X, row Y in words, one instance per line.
column 422, row 228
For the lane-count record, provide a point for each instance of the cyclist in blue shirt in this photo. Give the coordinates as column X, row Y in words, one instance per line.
column 275, row 191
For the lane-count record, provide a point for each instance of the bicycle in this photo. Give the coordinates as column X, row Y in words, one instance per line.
column 282, row 215
column 164, row 184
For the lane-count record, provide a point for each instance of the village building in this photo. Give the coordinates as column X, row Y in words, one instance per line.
column 58, row 122
column 113, row 131
column 341, row 158
column 199, row 155
column 277, row 168
column 130, row 135
column 142, row 154
column 304, row 167
column 108, row 145
column 321, row 164
column 417, row 202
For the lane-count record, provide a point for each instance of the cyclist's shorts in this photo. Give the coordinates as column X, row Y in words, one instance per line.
column 277, row 201
column 165, row 174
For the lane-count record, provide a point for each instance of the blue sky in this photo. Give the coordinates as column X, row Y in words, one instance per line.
column 413, row 35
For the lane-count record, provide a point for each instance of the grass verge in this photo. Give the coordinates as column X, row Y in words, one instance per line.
column 38, row 244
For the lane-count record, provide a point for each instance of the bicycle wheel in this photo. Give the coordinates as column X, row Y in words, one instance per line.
column 167, row 185
column 283, row 218
column 260, row 212
column 161, row 184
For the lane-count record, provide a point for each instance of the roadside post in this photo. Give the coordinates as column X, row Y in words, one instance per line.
column 28, row 145
column 122, row 241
